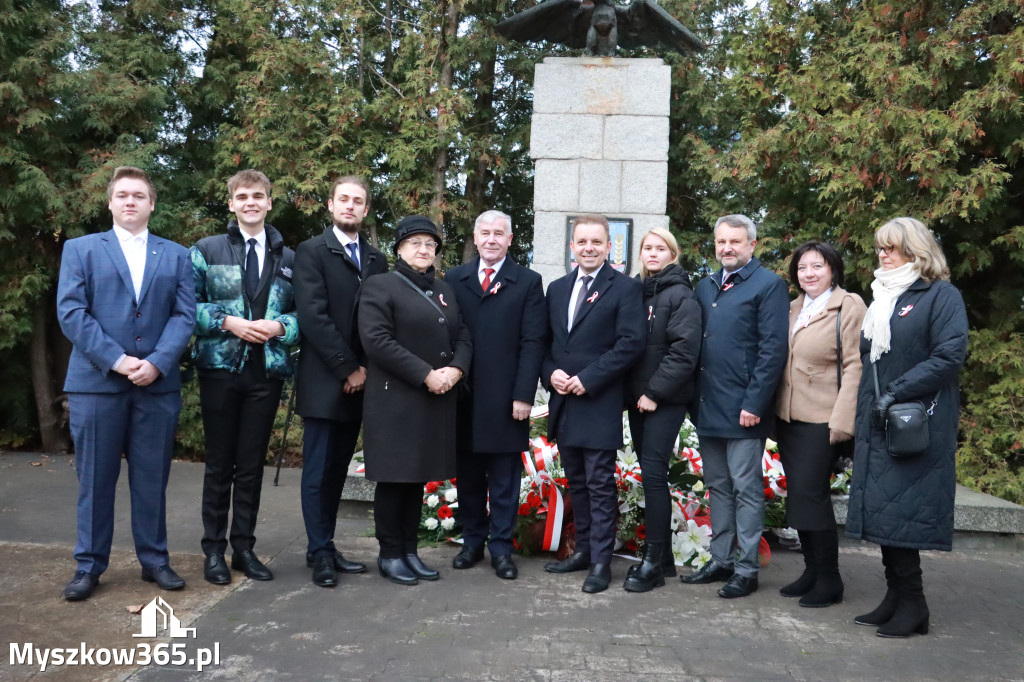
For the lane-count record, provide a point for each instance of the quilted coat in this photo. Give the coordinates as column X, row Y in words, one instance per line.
column 908, row 502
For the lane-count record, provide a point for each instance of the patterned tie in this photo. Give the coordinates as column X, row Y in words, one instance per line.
column 581, row 297
column 487, row 278
column 353, row 250
column 252, row 270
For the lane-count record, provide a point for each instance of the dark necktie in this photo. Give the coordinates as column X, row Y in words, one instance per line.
column 353, row 250
column 581, row 297
column 728, row 278
column 487, row 278
column 252, row 270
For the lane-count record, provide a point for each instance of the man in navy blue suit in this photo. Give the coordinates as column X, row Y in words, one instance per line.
column 598, row 332
column 502, row 303
column 126, row 301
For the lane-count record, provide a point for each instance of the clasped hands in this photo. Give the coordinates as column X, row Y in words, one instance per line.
column 252, row 331
column 440, row 381
column 139, row 372
column 565, row 384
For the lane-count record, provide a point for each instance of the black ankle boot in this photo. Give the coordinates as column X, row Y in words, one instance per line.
column 805, row 582
column 883, row 613
column 649, row 574
column 911, row 610
column 828, row 586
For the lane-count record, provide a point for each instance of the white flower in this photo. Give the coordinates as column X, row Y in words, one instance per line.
column 703, row 556
column 451, row 495
column 698, row 486
column 432, row 501
column 694, row 538
column 447, row 524
column 430, row 523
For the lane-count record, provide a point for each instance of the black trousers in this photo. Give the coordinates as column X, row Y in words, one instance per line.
column 591, row 475
column 397, row 508
column 808, row 460
column 327, row 448
column 498, row 474
column 238, row 416
column 654, row 434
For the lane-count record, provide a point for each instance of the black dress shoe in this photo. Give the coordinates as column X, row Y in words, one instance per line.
column 420, row 569
column 738, row 586
column 247, row 562
column 324, row 574
column 574, row 562
column 709, row 573
column 397, row 571
column 215, row 570
column 598, row 579
column 468, row 557
column 504, row 567
column 81, row 586
column 341, row 564
column 164, row 576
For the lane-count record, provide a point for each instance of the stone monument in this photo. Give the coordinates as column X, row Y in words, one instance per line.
column 599, row 141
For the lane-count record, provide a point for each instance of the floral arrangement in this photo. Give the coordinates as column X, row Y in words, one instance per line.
column 545, row 509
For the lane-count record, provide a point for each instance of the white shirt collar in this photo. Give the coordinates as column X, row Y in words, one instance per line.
column 261, row 238
column 124, row 235
column 344, row 238
column 496, row 267
column 593, row 275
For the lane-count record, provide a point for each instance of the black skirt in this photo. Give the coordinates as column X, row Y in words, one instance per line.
column 808, row 460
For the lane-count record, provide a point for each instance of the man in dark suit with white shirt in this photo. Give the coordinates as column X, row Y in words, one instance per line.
column 598, row 332
column 502, row 303
column 126, row 301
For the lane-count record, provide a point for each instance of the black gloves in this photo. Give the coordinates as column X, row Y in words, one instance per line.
column 882, row 406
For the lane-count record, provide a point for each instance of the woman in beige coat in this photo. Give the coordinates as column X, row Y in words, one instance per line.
column 816, row 409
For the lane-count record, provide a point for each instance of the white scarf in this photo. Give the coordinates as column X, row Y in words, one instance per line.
column 887, row 287
column 811, row 307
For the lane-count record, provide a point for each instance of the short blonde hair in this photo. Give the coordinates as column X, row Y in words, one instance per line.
column 668, row 238
column 917, row 243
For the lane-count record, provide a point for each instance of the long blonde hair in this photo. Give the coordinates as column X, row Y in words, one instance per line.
column 917, row 243
column 668, row 238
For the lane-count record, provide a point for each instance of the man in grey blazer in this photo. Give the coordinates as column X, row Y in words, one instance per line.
column 126, row 301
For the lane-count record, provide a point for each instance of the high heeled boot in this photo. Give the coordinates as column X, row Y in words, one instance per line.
column 911, row 610
column 805, row 582
column 883, row 613
column 649, row 575
column 828, row 585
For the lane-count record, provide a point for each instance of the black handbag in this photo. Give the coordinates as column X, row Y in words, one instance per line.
column 906, row 424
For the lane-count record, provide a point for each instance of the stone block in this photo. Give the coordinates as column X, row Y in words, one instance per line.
column 644, row 186
column 600, row 187
column 567, row 136
column 556, row 185
column 550, row 240
column 636, row 138
column 602, row 85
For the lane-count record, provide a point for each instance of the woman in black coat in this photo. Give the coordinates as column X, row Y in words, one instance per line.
column 915, row 338
column 417, row 349
column 660, row 387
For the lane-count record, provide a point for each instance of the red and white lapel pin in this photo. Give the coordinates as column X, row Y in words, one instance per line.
column 906, row 309
column 593, row 297
column 495, row 288
column 440, row 297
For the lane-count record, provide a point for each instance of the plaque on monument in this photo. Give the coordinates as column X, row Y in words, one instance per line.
column 621, row 232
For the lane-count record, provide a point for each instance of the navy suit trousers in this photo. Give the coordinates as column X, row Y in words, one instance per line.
column 591, row 475
column 327, row 448
column 103, row 426
column 497, row 475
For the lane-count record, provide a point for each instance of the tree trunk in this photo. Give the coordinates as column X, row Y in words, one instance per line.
column 482, row 121
column 450, row 10
column 50, row 405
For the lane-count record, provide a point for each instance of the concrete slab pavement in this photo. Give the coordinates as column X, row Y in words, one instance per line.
column 470, row 625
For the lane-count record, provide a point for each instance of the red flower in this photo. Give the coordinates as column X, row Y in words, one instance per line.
column 445, row 512
column 564, row 482
column 781, row 482
column 641, row 532
column 525, row 509
column 432, row 487
column 534, row 500
column 453, row 483
column 769, row 494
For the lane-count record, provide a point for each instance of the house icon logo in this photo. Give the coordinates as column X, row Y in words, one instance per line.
column 160, row 612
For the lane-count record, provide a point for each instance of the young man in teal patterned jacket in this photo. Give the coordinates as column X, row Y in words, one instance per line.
column 245, row 326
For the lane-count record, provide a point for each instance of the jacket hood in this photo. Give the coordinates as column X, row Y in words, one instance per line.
column 670, row 276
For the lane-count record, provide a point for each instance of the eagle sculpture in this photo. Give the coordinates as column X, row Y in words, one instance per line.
column 600, row 26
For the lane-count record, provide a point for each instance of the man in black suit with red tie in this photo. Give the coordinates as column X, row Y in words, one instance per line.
column 598, row 332
column 502, row 303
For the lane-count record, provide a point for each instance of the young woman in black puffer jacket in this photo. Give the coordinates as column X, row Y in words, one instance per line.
column 660, row 387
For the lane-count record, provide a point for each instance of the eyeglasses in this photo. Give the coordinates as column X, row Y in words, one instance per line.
column 419, row 243
column 884, row 249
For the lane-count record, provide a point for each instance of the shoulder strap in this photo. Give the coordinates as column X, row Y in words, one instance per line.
column 420, row 292
column 839, row 348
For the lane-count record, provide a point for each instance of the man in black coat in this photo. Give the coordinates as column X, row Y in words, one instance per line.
column 598, row 330
column 329, row 270
column 502, row 303
column 745, row 309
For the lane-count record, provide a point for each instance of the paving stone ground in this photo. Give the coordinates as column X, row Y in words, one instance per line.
column 471, row 625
